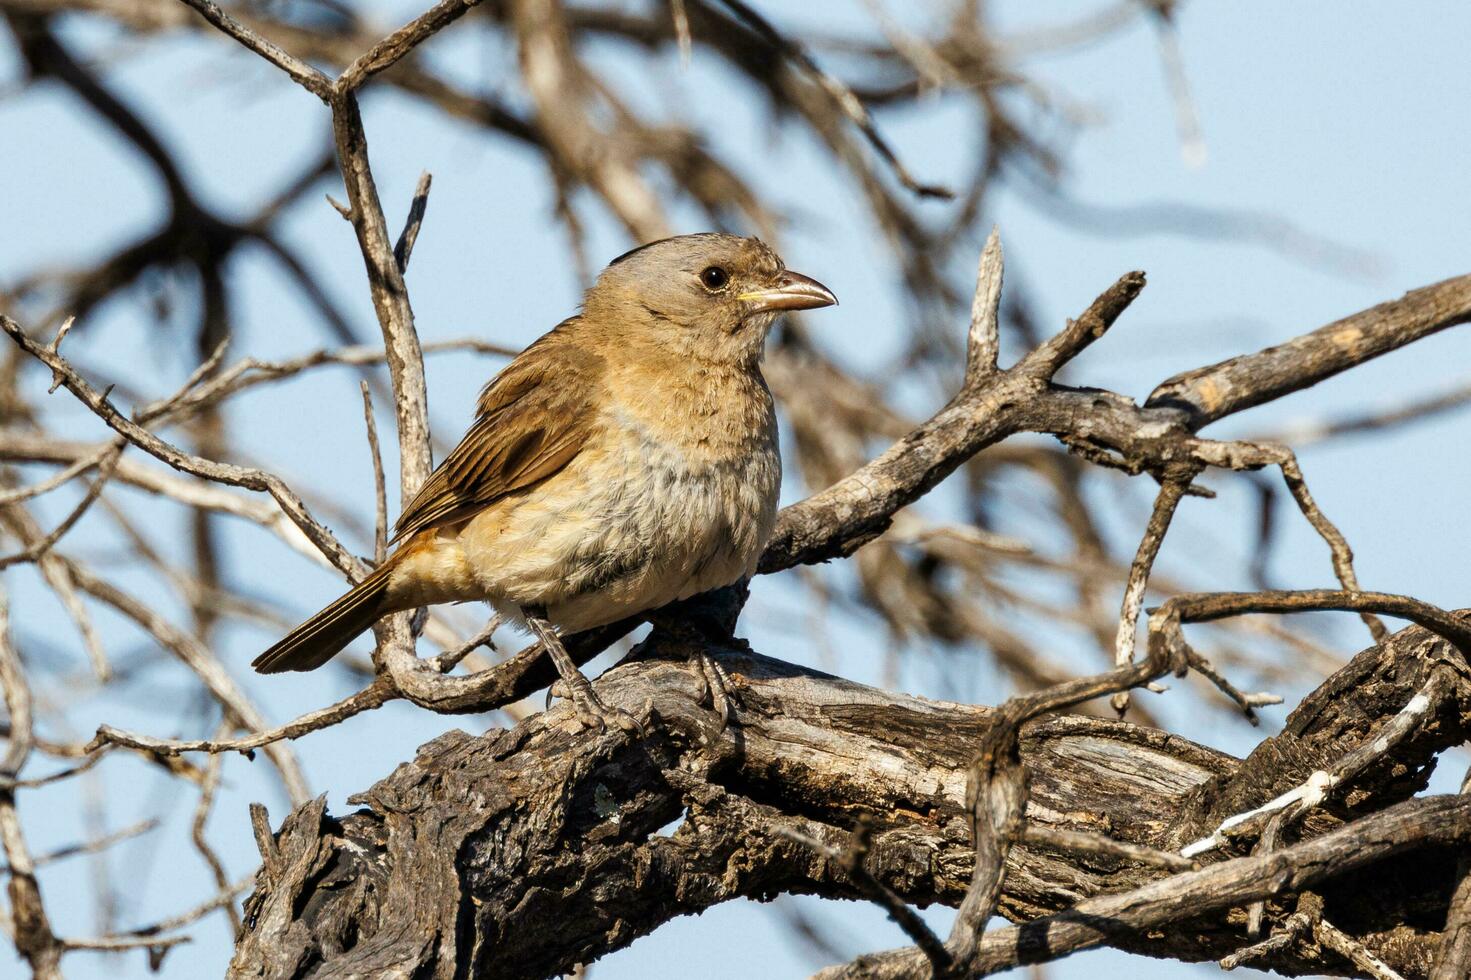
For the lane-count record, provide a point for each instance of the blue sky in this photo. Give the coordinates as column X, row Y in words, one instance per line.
column 1350, row 129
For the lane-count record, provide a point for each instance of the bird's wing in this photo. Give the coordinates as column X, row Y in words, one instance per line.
column 531, row 421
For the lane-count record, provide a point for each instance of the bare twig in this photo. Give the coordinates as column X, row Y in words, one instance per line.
column 375, row 695
column 38, row 549
column 996, row 788
column 201, row 661
column 380, row 489
column 1314, row 791
column 395, row 46
column 61, row 478
column 1211, row 393
column 55, row 348
column 841, row 95
column 117, row 944
column 982, row 415
column 1309, row 909
column 227, row 473
column 1051, row 356
column 19, row 522
column 30, row 925
column 404, row 248
column 394, row 652
column 850, row 860
column 1204, row 607
column 1343, row 557
column 184, row 490
column 302, row 73
column 1109, row 429
column 984, row 341
column 1307, row 433
column 1248, row 702
column 55, row 777
column 447, row 661
column 1187, row 121
column 996, row 795
column 201, row 819
column 1352, row 950
column 260, row 824
column 224, row 899
column 390, row 295
column 95, row 845
column 251, row 372
column 1170, row 493
column 681, row 18
column 1073, row 840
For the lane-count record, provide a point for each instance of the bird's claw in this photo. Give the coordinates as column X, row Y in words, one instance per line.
column 717, row 687
column 590, row 711
column 600, row 717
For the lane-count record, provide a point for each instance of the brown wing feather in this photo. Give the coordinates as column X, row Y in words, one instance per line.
column 532, row 420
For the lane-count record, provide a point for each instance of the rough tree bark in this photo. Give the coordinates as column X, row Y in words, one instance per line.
column 523, row 852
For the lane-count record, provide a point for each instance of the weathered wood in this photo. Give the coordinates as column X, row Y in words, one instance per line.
column 523, row 852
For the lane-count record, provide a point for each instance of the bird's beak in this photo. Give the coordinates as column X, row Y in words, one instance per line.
column 791, row 291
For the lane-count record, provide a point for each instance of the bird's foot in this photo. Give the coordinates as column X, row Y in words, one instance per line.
column 591, row 712
column 587, row 707
column 697, row 639
column 717, row 685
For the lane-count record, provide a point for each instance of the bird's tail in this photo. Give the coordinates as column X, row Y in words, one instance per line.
column 322, row 637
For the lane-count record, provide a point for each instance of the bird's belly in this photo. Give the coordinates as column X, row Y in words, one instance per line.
column 624, row 531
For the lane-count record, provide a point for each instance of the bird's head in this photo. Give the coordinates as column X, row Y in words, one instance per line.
column 710, row 295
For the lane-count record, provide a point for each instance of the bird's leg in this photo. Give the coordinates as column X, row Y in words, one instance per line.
column 589, row 708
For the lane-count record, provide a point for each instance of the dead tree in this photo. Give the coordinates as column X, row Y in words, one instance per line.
column 532, row 849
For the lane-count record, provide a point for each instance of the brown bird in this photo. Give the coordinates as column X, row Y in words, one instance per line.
column 625, row 460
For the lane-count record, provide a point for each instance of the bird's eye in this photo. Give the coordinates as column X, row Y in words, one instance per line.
column 714, row 277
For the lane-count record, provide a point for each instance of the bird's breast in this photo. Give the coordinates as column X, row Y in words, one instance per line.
column 700, row 506
column 647, row 513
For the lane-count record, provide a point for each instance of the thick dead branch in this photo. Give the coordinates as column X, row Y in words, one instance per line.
column 509, row 822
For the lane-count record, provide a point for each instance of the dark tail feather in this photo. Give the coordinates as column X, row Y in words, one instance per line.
column 322, row 637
